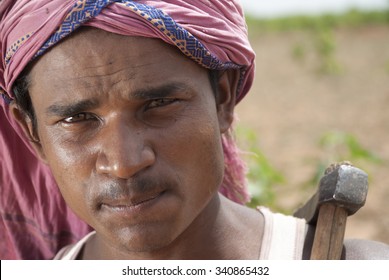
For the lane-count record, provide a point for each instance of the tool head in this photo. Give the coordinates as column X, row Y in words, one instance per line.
column 344, row 185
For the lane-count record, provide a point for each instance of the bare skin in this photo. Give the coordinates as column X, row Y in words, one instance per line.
column 131, row 130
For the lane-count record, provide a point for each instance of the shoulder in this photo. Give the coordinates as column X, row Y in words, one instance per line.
column 356, row 249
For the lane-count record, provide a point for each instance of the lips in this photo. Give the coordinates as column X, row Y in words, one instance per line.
column 139, row 199
column 132, row 201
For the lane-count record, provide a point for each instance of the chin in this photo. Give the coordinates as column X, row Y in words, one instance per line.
column 143, row 238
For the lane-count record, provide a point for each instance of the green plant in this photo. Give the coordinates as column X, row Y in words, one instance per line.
column 262, row 176
column 299, row 52
column 325, row 47
column 341, row 146
column 321, row 29
column 350, row 19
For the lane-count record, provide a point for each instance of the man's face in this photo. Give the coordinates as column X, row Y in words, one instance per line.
column 131, row 131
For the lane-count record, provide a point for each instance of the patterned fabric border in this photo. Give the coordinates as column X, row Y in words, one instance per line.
column 84, row 10
column 180, row 37
column 15, row 46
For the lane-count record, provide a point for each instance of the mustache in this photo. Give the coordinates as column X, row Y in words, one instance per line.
column 115, row 190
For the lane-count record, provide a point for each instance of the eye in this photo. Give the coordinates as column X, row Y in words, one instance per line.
column 161, row 102
column 80, row 117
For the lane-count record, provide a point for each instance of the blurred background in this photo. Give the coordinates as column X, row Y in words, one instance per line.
column 321, row 95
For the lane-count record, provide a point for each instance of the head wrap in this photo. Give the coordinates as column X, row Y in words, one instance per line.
column 213, row 33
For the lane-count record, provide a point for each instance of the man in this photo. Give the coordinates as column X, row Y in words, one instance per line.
column 130, row 103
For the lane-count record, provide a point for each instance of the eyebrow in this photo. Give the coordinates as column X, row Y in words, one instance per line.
column 65, row 110
column 160, row 91
column 147, row 93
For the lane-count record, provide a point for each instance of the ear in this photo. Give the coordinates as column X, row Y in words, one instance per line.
column 226, row 98
column 28, row 128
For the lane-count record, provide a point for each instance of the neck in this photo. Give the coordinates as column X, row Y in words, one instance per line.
column 221, row 231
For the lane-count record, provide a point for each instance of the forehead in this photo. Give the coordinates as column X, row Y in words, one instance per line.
column 90, row 56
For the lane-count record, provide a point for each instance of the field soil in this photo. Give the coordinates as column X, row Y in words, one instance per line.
column 291, row 106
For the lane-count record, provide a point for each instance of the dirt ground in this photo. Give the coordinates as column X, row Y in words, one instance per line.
column 291, row 106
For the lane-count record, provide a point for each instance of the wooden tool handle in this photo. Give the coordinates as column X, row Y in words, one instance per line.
column 329, row 233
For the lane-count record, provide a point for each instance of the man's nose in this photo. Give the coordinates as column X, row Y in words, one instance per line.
column 123, row 151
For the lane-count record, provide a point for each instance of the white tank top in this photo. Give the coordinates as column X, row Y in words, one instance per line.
column 283, row 237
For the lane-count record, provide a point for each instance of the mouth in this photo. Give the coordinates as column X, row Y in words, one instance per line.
column 131, row 204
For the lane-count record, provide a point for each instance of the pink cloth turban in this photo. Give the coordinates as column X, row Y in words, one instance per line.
column 213, row 33
column 35, row 222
